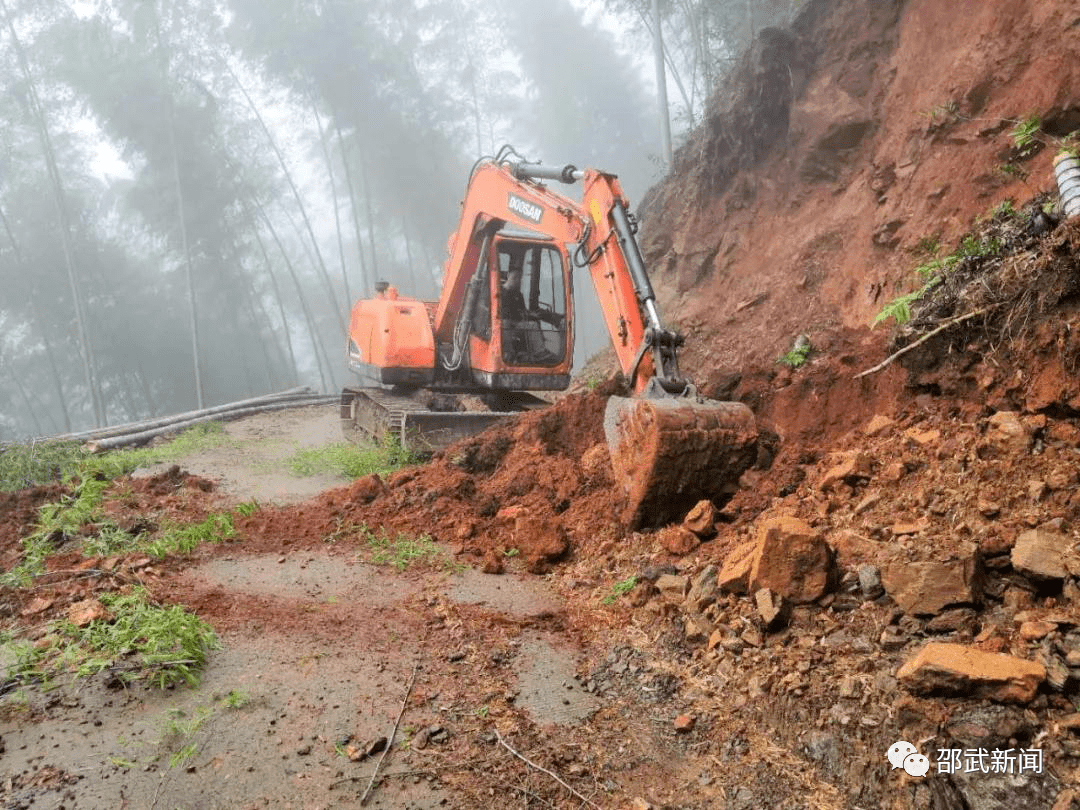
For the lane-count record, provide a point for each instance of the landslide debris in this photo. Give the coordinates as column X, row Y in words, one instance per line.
column 537, row 488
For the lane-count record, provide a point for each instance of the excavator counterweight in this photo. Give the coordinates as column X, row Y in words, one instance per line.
column 503, row 327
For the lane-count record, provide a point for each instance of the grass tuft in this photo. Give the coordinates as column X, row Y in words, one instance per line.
column 37, row 463
column 620, row 588
column 184, row 539
column 166, row 645
column 350, row 460
column 403, row 550
column 163, row 645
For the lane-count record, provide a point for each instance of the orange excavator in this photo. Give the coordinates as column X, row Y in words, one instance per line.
column 503, row 327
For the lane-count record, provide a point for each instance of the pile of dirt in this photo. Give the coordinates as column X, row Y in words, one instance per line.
column 540, row 484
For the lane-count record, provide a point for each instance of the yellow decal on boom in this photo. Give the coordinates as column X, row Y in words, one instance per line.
column 594, row 209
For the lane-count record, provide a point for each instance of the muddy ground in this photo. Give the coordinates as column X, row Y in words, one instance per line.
column 321, row 647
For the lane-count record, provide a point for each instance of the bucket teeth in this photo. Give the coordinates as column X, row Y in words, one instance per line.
column 668, row 454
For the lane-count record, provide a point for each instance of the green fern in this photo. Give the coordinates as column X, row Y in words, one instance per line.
column 899, row 309
column 1025, row 132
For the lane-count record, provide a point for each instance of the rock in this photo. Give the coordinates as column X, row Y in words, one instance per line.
column 1064, row 433
column 953, row 669
column 792, row 560
column 703, row 590
column 493, row 563
column 701, row 520
column 893, row 472
column 902, row 527
column 697, row 628
column 952, row 621
column 870, row 581
column 1040, row 554
column 878, row 425
column 1037, row 490
column 849, row 687
column 773, row 609
column 852, row 549
column 678, row 540
column 88, row 610
column 420, row 739
column 892, row 639
column 376, row 746
column 541, row 541
column 716, row 639
column 868, row 503
column 734, row 575
column 685, row 723
column 851, row 469
column 1035, row 630
column 1070, row 721
column 922, row 438
column 752, row 636
column 672, row 587
column 438, row 734
column 39, row 604
column 927, row 588
column 1006, row 431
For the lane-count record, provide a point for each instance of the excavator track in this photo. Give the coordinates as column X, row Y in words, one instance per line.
column 375, row 413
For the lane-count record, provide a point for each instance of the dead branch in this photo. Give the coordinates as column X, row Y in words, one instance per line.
column 393, row 734
column 922, row 340
column 542, row 769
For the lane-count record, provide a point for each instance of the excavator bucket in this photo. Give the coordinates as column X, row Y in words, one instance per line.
column 669, row 453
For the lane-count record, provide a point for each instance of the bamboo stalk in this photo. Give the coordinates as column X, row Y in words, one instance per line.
column 144, row 436
column 160, row 421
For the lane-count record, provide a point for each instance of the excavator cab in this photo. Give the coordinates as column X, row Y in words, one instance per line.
column 532, row 302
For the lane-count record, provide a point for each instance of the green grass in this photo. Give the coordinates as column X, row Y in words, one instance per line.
column 403, row 550
column 37, row 463
column 178, row 724
column 111, row 540
column 620, row 588
column 248, row 508
column 164, row 645
column 350, row 460
column 236, row 699
column 57, row 523
column 1004, row 210
column 186, row 538
column 142, row 641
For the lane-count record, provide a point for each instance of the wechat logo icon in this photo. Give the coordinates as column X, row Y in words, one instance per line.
column 903, row 754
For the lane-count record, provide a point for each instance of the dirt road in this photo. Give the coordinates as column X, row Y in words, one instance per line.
column 317, row 651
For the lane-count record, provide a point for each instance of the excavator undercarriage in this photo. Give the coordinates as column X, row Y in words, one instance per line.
column 425, row 422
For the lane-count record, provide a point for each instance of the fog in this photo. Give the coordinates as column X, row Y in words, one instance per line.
column 194, row 192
